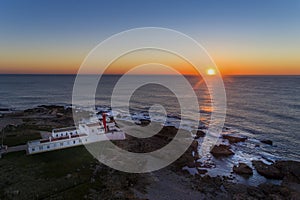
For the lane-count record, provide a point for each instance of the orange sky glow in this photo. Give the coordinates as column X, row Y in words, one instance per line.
column 227, row 66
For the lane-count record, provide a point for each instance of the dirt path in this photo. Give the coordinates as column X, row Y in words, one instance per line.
column 16, row 148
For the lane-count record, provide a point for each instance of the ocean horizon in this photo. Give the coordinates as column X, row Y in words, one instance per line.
column 259, row 107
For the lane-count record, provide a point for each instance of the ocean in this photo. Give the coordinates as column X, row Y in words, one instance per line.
column 259, row 107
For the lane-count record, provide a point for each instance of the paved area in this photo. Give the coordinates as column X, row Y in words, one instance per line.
column 16, row 148
column 45, row 134
column 13, row 149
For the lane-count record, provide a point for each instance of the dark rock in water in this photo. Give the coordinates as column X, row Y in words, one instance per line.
column 269, row 142
column 194, row 145
column 34, row 110
column 268, row 171
column 234, row 139
column 202, row 171
column 289, row 171
column 51, row 107
column 4, row 110
column 199, row 134
column 242, row 168
column 145, row 122
column 221, row 150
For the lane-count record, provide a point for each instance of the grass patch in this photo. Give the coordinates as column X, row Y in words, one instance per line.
column 77, row 192
column 20, row 139
column 61, row 162
column 46, row 171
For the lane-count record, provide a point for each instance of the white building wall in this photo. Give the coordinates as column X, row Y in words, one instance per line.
column 94, row 134
column 64, row 133
column 49, row 146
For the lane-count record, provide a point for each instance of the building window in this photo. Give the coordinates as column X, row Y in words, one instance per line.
column 33, row 149
column 48, row 147
column 74, row 142
column 56, row 135
column 40, row 147
column 61, row 134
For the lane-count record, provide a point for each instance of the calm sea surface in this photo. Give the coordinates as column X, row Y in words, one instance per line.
column 261, row 107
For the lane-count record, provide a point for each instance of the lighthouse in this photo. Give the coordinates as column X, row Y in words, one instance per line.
column 104, row 121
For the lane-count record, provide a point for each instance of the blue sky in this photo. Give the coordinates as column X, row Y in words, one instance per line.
column 226, row 28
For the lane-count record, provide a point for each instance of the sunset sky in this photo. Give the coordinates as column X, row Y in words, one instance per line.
column 242, row 37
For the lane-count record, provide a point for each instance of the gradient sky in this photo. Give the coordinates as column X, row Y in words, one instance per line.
column 243, row 37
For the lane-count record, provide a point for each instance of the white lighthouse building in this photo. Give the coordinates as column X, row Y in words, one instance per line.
column 71, row 136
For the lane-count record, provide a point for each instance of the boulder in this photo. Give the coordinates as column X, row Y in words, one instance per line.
column 145, row 122
column 243, row 169
column 199, row 134
column 194, row 145
column 269, row 142
column 234, row 139
column 202, row 171
column 268, row 171
column 221, row 150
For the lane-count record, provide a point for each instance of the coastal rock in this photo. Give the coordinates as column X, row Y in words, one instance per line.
column 268, row 171
column 243, row 169
column 202, row 171
column 194, row 145
column 269, row 142
column 255, row 192
column 291, row 171
column 275, row 191
column 52, row 107
column 34, row 110
column 199, row 134
column 145, row 122
column 234, row 139
column 221, row 150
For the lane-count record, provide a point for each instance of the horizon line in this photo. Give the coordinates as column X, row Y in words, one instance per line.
column 147, row 74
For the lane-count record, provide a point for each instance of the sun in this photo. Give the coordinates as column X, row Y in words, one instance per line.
column 210, row 72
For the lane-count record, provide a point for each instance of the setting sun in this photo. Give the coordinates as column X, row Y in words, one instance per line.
column 211, row 72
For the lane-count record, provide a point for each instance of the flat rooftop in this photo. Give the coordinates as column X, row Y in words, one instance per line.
column 57, row 130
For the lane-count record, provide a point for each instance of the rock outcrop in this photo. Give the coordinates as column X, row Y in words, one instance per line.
column 199, row 134
column 268, row 171
column 291, row 172
column 221, row 150
column 234, row 139
column 269, row 142
column 243, row 169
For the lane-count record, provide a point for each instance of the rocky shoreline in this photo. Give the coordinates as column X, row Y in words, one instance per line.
column 186, row 178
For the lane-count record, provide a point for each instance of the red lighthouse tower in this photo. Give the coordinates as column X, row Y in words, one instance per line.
column 104, row 121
